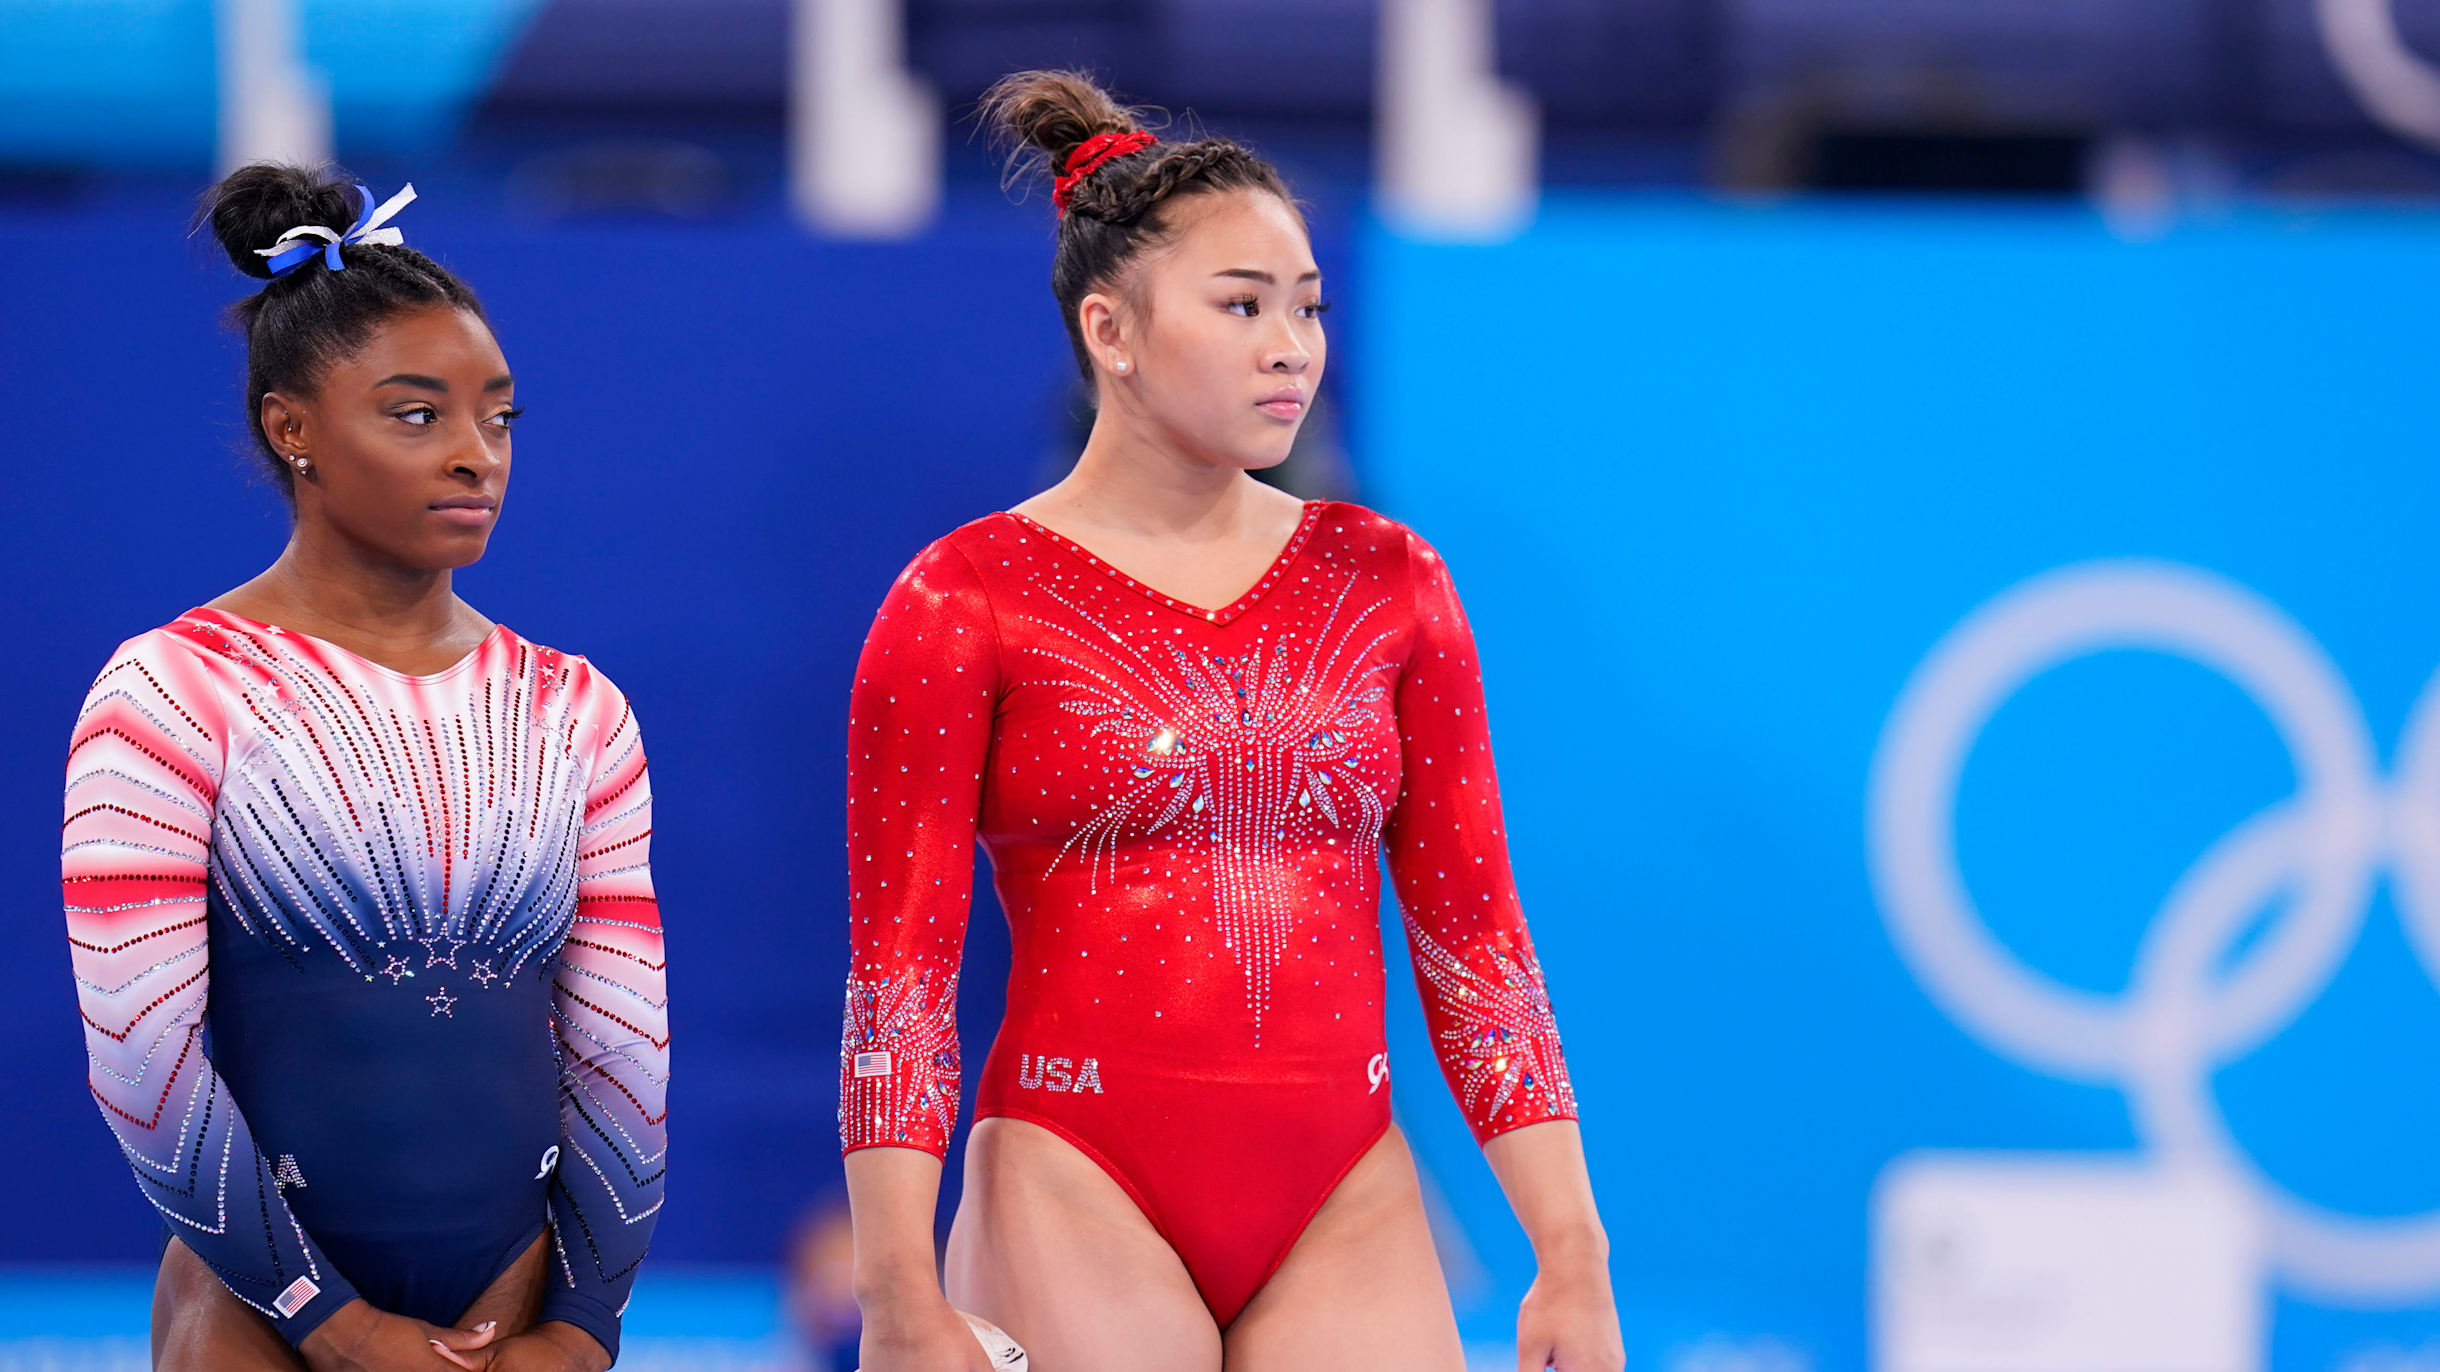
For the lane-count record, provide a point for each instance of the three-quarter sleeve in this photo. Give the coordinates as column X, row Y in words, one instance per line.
column 919, row 738
column 610, row 1028
column 1484, row 1001
column 144, row 769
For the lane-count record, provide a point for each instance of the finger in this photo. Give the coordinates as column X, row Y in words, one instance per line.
column 1533, row 1354
column 456, row 1359
column 467, row 1339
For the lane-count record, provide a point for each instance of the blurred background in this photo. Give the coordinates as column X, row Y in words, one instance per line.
column 1944, row 487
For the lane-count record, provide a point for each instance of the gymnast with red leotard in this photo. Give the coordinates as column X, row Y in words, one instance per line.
column 1187, row 716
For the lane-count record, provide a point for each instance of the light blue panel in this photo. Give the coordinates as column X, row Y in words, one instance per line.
column 1714, row 482
column 404, row 72
column 106, row 80
column 133, row 82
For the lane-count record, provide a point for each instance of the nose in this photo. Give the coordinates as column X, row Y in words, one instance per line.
column 1287, row 354
column 476, row 456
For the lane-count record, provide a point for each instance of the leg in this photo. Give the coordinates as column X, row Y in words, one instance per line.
column 514, row 1298
column 197, row 1326
column 1362, row 1289
column 1049, row 1248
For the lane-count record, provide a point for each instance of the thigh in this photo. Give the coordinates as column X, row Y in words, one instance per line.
column 514, row 1298
column 197, row 1326
column 1049, row 1248
column 1362, row 1289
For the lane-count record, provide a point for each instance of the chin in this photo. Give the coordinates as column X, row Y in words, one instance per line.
column 453, row 554
column 1264, row 461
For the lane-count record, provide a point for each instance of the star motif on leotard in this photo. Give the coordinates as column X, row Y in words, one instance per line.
column 441, row 1001
column 482, row 972
column 433, row 957
column 397, row 970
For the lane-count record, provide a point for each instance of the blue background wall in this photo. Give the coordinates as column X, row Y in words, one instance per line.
column 1714, row 482
column 735, row 438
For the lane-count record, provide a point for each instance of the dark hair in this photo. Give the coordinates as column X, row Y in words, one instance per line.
column 1118, row 212
column 302, row 322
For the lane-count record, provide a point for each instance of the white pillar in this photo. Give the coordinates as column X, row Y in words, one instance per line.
column 272, row 106
column 863, row 134
column 1459, row 148
column 2398, row 88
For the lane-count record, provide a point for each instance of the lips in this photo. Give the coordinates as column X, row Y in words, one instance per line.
column 467, row 511
column 1288, row 403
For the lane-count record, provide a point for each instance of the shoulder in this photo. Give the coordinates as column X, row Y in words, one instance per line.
column 1348, row 529
column 964, row 561
column 183, row 658
column 998, row 539
column 591, row 694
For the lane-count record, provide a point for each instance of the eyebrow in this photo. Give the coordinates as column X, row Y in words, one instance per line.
column 434, row 383
column 1255, row 274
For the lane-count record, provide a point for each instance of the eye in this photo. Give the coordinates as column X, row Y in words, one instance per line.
column 1244, row 306
column 1314, row 309
column 506, row 419
column 418, row 415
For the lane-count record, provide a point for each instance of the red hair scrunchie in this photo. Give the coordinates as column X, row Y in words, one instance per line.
column 1089, row 156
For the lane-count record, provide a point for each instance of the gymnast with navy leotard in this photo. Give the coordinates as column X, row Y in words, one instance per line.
column 357, row 887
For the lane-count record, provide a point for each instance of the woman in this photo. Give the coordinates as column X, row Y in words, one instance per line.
column 418, row 1121
column 1185, row 714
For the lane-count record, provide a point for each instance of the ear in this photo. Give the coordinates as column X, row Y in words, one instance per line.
column 284, row 424
column 1104, row 323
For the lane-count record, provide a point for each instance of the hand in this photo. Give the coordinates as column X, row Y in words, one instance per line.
column 919, row 1334
column 1569, row 1320
column 360, row 1338
column 554, row 1346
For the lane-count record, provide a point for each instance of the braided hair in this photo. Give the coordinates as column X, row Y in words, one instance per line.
column 1121, row 210
column 303, row 321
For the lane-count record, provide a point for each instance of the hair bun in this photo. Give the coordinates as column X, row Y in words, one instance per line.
column 255, row 204
column 1053, row 112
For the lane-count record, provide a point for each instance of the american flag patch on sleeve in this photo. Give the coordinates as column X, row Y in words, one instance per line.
column 299, row 1294
column 874, row 1064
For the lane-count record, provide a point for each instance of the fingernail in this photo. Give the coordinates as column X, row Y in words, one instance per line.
column 436, row 1345
column 485, row 1326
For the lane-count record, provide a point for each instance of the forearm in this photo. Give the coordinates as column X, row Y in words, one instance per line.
column 1541, row 1168
column 892, row 1195
column 577, row 1350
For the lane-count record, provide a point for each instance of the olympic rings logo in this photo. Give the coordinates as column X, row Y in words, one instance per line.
column 2187, row 1011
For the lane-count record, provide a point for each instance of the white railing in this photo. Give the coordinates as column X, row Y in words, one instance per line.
column 863, row 134
column 272, row 106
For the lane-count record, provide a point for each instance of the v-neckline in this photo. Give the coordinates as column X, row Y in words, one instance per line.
column 1270, row 577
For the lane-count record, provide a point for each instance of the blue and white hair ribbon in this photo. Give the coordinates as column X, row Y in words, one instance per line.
column 287, row 256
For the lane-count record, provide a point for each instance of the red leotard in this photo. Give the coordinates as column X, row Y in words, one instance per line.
column 1185, row 811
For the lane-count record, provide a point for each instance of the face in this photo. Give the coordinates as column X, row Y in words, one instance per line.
column 1219, row 332
column 407, row 440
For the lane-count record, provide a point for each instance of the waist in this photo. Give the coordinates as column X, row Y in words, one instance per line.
column 383, row 1116
column 1041, row 1058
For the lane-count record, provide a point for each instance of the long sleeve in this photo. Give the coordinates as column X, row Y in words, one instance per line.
column 144, row 769
column 919, row 736
column 610, row 1019
column 1483, row 995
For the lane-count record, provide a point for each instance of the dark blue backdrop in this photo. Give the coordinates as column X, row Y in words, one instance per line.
column 736, row 437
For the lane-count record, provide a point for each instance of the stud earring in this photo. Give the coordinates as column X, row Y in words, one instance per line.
column 302, row 461
column 1120, row 365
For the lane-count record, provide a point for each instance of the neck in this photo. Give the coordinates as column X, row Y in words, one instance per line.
column 338, row 581
column 1135, row 478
